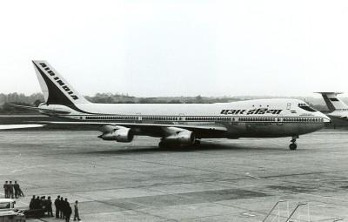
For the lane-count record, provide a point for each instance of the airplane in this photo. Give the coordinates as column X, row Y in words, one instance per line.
column 338, row 109
column 175, row 124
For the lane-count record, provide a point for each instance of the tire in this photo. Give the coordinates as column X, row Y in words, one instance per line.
column 293, row 146
column 197, row 143
column 161, row 145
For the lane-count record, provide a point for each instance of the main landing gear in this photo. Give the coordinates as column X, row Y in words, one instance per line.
column 293, row 145
column 197, row 143
column 161, row 145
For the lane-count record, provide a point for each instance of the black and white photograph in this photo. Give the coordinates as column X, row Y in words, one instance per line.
column 174, row 111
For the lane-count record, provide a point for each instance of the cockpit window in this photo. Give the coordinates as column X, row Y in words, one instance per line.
column 306, row 107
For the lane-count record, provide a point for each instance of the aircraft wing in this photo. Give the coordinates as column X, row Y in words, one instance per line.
column 149, row 129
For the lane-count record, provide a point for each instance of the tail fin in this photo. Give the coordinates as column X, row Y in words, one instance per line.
column 332, row 102
column 55, row 88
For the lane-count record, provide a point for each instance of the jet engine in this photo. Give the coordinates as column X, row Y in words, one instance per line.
column 123, row 135
column 183, row 137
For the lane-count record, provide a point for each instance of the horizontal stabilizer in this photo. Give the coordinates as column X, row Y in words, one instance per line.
column 42, row 110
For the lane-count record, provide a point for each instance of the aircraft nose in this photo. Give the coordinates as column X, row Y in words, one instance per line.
column 326, row 119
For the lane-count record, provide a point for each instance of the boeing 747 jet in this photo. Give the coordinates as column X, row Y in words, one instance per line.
column 176, row 124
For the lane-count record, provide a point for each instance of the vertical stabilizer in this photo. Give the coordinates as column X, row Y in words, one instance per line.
column 55, row 88
column 333, row 102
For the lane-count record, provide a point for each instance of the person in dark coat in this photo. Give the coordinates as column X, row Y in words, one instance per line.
column 68, row 210
column 16, row 189
column 76, row 211
column 37, row 203
column 32, row 203
column 10, row 190
column 49, row 207
column 57, row 204
column 62, row 208
column 6, row 189
column 43, row 204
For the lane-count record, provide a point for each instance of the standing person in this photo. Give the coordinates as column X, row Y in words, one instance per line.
column 32, row 203
column 62, row 208
column 20, row 192
column 16, row 189
column 76, row 211
column 49, row 207
column 37, row 203
column 67, row 210
column 57, row 204
column 10, row 190
column 43, row 204
column 6, row 189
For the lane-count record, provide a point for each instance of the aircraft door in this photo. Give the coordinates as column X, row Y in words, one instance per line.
column 182, row 117
column 139, row 118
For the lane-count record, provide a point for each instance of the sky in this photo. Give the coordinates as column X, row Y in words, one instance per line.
column 177, row 47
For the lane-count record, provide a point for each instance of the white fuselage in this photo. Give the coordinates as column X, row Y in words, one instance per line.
column 251, row 118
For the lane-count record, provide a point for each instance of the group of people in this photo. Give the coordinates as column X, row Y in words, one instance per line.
column 12, row 190
column 41, row 203
column 64, row 211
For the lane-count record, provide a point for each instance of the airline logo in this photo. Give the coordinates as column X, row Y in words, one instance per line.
column 59, row 81
column 260, row 111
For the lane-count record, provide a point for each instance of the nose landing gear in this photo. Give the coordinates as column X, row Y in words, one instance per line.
column 293, row 145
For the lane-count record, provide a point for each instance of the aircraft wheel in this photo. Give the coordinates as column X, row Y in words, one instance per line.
column 293, row 146
column 197, row 143
column 161, row 145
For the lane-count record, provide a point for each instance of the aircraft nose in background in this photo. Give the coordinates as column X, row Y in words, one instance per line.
column 326, row 119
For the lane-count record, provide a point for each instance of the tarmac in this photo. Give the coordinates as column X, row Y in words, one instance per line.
column 222, row 180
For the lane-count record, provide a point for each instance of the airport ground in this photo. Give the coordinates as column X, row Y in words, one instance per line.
column 223, row 180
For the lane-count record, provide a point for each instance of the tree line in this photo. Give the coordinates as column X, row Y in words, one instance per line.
column 35, row 99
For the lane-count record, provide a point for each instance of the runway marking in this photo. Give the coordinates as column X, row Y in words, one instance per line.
column 25, row 168
column 294, row 174
column 248, row 214
column 175, row 165
column 251, row 176
column 125, row 209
